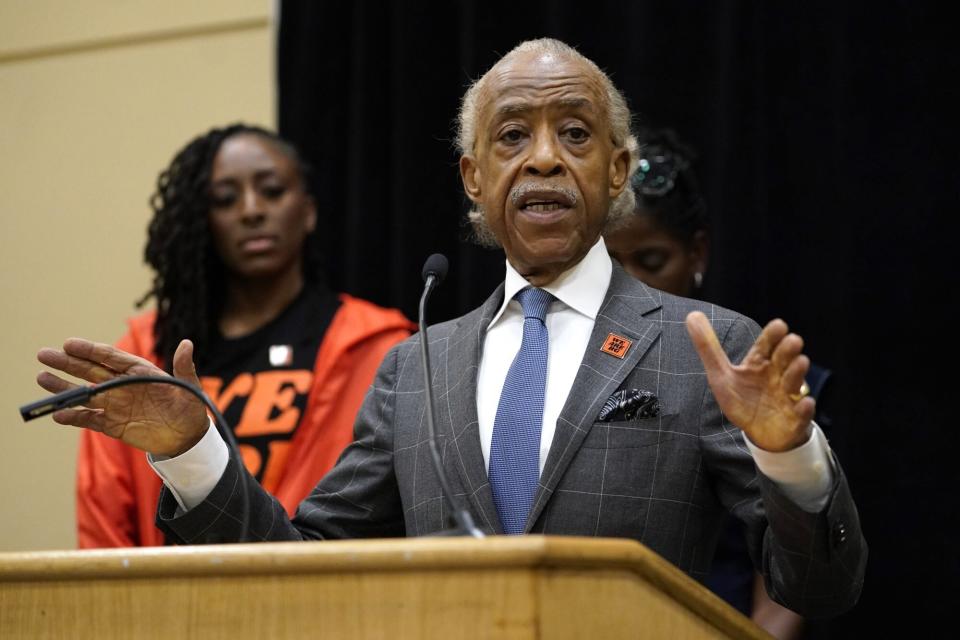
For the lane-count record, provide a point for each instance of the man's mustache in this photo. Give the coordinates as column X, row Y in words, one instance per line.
column 520, row 192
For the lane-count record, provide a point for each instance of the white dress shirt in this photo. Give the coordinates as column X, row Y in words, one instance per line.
column 804, row 474
column 569, row 323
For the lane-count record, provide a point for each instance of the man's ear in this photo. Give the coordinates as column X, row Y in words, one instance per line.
column 619, row 171
column 470, row 175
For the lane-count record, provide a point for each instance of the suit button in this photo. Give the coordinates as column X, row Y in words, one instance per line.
column 839, row 534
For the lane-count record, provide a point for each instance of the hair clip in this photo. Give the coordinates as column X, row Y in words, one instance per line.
column 657, row 173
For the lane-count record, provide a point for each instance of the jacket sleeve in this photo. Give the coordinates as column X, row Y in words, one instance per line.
column 358, row 498
column 813, row 563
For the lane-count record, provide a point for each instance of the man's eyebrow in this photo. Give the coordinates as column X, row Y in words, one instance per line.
column 576, row 103
column 510, row 108
column 569, row 102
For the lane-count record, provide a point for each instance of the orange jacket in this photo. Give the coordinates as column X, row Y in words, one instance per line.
column 117, row 491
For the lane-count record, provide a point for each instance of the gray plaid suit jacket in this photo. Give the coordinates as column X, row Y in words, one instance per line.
column 665, row 481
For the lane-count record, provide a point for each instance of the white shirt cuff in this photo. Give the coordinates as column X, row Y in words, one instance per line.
column 192, row 475
column 804, row 474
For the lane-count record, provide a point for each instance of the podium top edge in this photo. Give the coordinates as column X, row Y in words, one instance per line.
column 399, row 554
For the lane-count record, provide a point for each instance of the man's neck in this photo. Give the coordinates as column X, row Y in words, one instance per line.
column 544, row 275
column 581, row 287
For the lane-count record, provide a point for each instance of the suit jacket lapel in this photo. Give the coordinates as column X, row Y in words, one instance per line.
column 457, row 411
column 600, row 374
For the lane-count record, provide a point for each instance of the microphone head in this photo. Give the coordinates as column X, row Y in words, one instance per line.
column 436, row 266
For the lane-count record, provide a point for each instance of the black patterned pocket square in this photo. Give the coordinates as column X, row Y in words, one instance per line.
column 629, row 404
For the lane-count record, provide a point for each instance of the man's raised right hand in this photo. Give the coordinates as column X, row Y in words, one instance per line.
column 158, row 418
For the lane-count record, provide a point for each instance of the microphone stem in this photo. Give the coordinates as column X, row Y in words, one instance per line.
column 461, row 517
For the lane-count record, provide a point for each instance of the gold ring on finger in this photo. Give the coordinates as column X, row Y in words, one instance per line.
column 803, row 393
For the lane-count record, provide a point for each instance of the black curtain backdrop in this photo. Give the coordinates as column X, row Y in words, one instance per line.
column 828, row 154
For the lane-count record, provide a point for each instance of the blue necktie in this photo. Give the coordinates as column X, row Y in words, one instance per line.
column 515, row 450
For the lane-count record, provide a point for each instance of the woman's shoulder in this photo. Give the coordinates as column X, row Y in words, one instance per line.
column 366, row 316
column 139, row 338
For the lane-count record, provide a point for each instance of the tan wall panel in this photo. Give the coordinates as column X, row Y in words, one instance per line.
column 34, row 24
column 83, row 137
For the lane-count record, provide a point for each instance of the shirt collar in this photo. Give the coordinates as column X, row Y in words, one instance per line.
column 579, row 287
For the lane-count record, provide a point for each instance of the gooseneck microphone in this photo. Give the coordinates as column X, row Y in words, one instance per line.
column 434, row 271
column 82, row 394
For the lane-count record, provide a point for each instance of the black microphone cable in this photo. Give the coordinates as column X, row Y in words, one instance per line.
column 82, row 394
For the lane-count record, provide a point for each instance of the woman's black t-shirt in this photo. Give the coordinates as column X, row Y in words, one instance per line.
column 261, row 381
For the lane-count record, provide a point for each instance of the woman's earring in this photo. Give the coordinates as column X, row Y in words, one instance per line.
column 698, row 279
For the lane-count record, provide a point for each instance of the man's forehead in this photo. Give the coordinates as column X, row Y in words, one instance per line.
column 564, row 80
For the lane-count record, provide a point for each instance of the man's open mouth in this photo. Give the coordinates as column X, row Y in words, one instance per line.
column 540, row 198
column 542, row 206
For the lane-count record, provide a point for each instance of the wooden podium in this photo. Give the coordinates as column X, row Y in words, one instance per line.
column 505, row 587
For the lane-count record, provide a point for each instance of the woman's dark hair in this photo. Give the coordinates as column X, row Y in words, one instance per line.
column 666, row 187
column 189, row 277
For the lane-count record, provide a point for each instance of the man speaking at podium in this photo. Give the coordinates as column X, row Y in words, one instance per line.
column 575, row 401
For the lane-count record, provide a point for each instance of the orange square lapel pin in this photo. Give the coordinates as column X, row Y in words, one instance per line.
column 616, row 346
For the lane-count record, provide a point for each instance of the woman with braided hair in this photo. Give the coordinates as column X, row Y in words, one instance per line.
column 236, row 269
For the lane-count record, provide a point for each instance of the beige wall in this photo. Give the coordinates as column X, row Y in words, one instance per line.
column 95, row 97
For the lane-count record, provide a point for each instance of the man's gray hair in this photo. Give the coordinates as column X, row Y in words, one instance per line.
column 618, row 115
